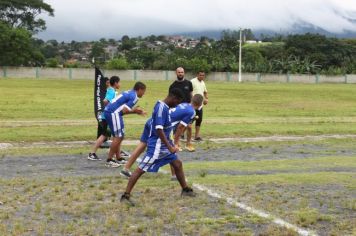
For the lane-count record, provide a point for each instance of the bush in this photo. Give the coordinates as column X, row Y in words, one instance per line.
column 117, row 64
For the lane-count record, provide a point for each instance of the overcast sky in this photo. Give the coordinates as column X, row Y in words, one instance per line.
column 94, row 19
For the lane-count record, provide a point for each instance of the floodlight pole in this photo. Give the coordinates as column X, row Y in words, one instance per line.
column 240, row 53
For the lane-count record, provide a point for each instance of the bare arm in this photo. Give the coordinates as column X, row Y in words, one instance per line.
column 106, row 102
column 136, row 110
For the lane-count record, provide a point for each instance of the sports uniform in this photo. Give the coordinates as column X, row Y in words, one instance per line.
column 157, row 154
column 114, row 111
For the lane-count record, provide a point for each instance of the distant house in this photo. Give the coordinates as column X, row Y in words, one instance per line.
column 111, row 50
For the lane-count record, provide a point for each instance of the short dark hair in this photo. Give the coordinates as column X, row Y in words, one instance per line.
column 114, row 79
column 197, row 99
column 177, row 93
column 139, row 85
column 106, row 79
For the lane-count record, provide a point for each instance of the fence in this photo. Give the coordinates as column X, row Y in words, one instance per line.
column 81, row 73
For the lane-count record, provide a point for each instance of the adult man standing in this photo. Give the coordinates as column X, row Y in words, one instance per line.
column 199, row 88
column 187, row 88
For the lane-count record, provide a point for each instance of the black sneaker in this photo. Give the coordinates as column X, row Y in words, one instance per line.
column 112, row 163
column 188, row 192
column 121, row 161
column 93, row 157
column 125, row 173
column 124, row 154
column 125, row 198
column 198, row 139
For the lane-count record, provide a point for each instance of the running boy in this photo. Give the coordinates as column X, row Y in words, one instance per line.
column 160, row 150
column 121, row 105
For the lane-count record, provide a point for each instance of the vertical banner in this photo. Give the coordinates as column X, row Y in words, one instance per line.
column 99, row 93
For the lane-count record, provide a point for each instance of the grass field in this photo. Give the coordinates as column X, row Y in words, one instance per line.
column 233, row 110
column 54, row 190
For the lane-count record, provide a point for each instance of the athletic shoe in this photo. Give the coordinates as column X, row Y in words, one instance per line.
column 93, row 157
column 124, row 154
column 198, row 139
column 112, row 163
column 188, row 192
column 125, row 198
column 180, row 149
column 190, row 148
column 125, row 173
column 121, row 161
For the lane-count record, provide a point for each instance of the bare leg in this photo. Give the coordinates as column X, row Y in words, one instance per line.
column 115, row 147
column 189, row 134
column 172, row 171
column 197, row 130
column 135, row 154
column 178, row 167
column 98, row 142
column 133, row 179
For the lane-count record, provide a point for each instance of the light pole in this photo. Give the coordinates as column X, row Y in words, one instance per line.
column 240, row 53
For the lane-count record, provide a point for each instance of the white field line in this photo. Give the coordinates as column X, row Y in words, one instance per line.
column 276, row 220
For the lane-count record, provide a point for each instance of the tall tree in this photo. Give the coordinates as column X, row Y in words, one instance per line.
column 24, row 14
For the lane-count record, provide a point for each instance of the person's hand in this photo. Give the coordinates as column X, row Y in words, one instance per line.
column 173, row 149
column 205, row 101
column 140, row 111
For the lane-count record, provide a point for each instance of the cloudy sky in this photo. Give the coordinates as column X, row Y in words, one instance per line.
column 94, row 19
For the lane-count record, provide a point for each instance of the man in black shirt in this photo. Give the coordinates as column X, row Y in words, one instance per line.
column 187, row 88
column 185, row 85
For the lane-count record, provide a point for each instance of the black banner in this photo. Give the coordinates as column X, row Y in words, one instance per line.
column 99, row 93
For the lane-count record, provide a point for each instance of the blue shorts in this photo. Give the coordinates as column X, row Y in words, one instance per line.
column 151, row 164
column 146, row 131
column 116, row 124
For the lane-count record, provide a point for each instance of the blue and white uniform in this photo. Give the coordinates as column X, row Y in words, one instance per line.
column 157, row 154
column 183, row 114
column 113, row 111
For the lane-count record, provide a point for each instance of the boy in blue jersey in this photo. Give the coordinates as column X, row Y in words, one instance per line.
column 160, row 149
column 114, row 83
column 114, row 112
column 181, row 116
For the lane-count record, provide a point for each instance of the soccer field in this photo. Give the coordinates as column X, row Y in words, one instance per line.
column 261, row 187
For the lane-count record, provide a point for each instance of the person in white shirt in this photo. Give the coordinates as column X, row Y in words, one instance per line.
column 199, row 88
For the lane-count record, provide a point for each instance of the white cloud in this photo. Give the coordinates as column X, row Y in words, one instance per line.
column 112, row 18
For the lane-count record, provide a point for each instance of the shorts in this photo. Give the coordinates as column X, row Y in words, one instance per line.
column 103, row 129
column 116, row 124
column 146, row 131
column 157, row 155
column 199, row 113
column 150, row 163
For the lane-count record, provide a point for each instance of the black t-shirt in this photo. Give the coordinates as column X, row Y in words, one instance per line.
column 186, row 86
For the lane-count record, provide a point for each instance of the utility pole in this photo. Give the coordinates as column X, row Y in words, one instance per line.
column 240, row 53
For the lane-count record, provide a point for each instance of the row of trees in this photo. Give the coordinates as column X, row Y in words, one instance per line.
column 304, row 54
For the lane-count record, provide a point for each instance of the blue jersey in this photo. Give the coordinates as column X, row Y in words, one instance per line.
column 160, row 120
column 127, row 99
column 184, row 113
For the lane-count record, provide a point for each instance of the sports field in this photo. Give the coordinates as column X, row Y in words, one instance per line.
column 278, row 159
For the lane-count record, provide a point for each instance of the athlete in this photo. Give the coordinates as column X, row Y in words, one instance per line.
column 181, row 117
column 160, row 149
column 114, row 112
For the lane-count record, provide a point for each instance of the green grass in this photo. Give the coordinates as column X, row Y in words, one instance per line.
column 233, row 109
